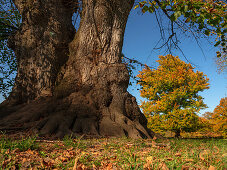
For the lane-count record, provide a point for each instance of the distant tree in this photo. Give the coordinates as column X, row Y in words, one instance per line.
column 216, row 121
column 172, row 95
column 207, row 115
column 219, row 117
column 205, row 125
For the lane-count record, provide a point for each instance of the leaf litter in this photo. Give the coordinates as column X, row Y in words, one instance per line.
column 115, row 153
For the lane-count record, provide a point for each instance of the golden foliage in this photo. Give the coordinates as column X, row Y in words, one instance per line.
column 172, row 96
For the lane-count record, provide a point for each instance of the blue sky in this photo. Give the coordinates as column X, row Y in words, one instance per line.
column 142, row 34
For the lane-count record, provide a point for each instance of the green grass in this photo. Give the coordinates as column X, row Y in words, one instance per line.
column 119, row 153
column 22, row 144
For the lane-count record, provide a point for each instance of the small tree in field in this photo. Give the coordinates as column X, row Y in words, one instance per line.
column 172, row 95
column 216, row 121
column 219, row 117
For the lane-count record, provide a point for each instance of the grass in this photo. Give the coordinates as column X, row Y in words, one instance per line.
column 118, row 153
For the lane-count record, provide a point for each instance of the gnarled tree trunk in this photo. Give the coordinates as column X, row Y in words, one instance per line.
column 83, row 91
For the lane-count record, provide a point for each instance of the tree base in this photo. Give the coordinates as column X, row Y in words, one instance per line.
column 75, row 115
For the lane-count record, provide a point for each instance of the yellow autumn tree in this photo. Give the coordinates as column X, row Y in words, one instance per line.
column 171, row 92
column 219, row 117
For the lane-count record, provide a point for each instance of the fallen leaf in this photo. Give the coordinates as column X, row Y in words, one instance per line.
column 217, row 150
column 169, row 159
column 75, row 164
column 149, row 159
column 204, row 154
column 147, row 166
column 63, row 159
column 189, row 160
column 153, row 144
column 163, row 166
column 109, row 166
column 224, row 155
column 211, row 168
column 185, row 167
column 13, row 168
column 15, row 150
column 29, row 151
column 178, row 154
column 94, row 167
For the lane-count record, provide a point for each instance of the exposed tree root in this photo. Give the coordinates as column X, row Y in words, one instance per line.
column 75, row 115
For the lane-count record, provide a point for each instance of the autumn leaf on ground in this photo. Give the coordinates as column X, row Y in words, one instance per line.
column 211, row 168
column 189, row 160
column 163, row 166
column 149, row 163
column 109, row 166
column 204, row 154
column 169, row 159
column 185, row 167
column 217, row 150
column 178, row 154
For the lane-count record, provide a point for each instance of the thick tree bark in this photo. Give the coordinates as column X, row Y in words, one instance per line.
column 85, row 93
column 41, row 46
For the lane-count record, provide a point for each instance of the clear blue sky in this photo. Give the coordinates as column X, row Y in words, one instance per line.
column 141, row 36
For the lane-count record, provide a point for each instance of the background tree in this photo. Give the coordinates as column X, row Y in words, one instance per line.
column 218, row 119
column 172, row 95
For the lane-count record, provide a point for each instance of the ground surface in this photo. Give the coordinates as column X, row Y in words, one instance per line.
column 112, row 153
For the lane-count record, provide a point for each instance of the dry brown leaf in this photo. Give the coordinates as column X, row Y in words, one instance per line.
column 109, row 166
column 70, row 149
column 185, row 167
column 178, row 154
column 63, row 159
column 94, row 167
column 169, row 159
column 15, row 151
column 153, row 144
column 149, row 163
column 13, row 168
column 75, row 164
column 163, row 166
column 26, row 164
column 189, row 160
column 204, row 154
column 149, row 159
column 29, row 151
column 217, row 150
column 7, row 151
column 211, row 168
column 147, row 166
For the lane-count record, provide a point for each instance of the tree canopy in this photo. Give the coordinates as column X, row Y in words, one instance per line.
column 203, row 17
column 172, row 95
column 218, row 118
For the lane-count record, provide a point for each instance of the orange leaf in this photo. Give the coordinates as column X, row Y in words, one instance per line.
column 211, row 168
column 178, row 154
